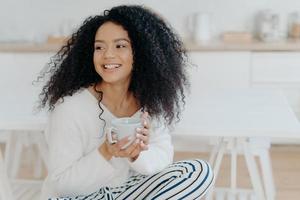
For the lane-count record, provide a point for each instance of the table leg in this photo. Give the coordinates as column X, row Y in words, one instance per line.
column 267, row 173
column 253, row 171
column 233, row 173
column 215, row 151
column 216, row 167
column 233, row 144
column 5, row 189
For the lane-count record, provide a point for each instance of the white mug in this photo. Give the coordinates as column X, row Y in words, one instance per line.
column 123, row 127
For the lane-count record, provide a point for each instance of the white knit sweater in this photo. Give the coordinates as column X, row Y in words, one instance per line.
column 73, row 134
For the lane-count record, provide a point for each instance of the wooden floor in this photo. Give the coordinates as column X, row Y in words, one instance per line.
column 285, row 161
column 286, row 170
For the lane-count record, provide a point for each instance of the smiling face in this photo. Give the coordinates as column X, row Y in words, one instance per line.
column 113, row 56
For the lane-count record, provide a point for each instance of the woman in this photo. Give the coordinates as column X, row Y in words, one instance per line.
column 124, row 63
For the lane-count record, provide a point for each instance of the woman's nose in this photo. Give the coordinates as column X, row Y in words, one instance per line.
column 109, row 53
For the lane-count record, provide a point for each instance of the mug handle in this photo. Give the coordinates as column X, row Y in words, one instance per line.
column 109, row 135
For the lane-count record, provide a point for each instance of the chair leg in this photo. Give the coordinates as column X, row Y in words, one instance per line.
column 10, row 149
column 5, row 188
column 38, row 166
column 15, row 164
column 42, row 148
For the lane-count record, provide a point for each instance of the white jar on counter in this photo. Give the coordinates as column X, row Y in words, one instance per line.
column 268, row 26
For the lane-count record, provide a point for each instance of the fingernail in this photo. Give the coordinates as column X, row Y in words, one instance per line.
column 145, row 123
column 137, row 141
column 138, row 129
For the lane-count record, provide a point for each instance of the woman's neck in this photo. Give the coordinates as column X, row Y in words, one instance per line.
column 115, row 96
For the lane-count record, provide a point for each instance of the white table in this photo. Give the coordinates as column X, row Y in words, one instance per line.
column 236, row 116
column 233, row 115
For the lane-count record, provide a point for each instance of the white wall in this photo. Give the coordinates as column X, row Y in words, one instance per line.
column 25, row 19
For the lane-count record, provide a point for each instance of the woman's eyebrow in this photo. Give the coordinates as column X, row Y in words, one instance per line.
column 121, row 39
column 101, row 41
column 115, row 40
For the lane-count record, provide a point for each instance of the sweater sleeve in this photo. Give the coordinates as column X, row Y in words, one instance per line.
column 159, row 155
column 71, row 171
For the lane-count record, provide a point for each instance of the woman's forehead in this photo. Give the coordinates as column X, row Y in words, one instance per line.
column 111, row 31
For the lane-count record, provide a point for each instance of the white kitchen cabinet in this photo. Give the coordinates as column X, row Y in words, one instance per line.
column 30, row 66
column 220, row 69
column 278, row 70
column 6, row 63
column 18, row 71
column 276, row 67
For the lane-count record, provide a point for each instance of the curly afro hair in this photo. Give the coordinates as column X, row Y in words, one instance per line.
column 159, row 79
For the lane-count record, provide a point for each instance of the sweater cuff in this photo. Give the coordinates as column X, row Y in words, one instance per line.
column 142, row 165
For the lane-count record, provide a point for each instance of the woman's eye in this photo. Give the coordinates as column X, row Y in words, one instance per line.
column 98, row 48
column 121, row 46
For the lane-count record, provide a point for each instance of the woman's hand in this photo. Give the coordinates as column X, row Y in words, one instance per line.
column 132, row 151
column 143, row 133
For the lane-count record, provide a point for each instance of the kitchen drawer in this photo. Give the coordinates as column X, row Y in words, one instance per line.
column 275, row 67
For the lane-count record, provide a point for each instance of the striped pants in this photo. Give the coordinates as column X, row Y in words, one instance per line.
column 187, row 179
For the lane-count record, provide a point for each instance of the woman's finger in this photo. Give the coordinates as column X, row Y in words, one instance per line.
column 143, row 131
column 146, row 123
column 143, row 134
column 143, row 138
column 143, row 146
column 135, row 152
column 145, row 120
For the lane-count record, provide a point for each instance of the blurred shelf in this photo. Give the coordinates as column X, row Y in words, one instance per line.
column 288, row 45
column 29, row 47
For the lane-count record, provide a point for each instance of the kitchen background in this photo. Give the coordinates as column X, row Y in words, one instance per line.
column 270, row 64
column 31, row 32
column 36, row 19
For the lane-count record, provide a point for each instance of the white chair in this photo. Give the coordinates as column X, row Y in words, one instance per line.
column 26, row 189
column 11, row 186
column 15, row 144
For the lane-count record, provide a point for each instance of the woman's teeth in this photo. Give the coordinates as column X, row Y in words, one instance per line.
column 111, row 66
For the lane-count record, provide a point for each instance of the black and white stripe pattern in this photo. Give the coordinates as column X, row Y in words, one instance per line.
column 188, row 179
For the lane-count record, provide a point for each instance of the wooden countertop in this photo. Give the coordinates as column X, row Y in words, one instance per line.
column 29, row 47
column 289, row 45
